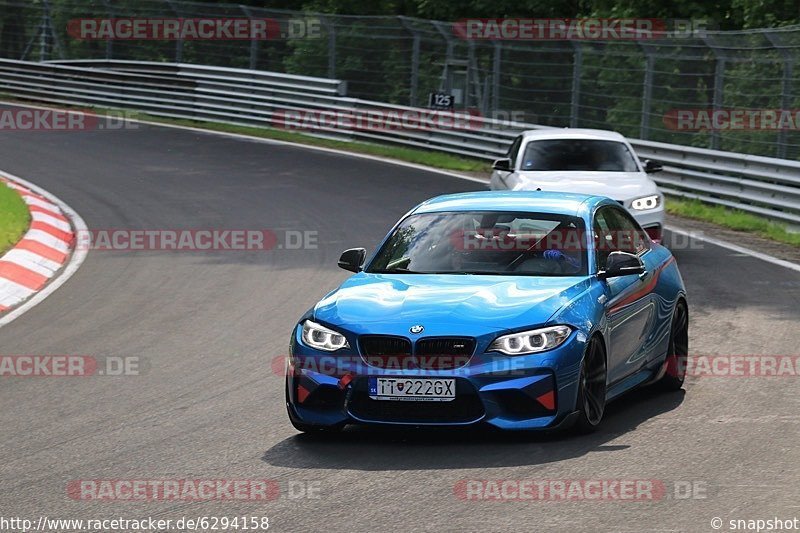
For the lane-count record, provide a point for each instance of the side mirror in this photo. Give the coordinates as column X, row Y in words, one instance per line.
column 621, row 264
column 651, row 166
column 353, row 259
column 502, row 164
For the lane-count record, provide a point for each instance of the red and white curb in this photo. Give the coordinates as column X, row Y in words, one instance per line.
column 46, row 251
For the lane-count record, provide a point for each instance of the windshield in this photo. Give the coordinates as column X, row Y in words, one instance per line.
column 484, row 242
column 577, row 155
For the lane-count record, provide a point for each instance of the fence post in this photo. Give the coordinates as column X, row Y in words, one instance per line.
column 496, row 65
column 577, row 66
column 109, row 40
column 444, row 85
column 415, row 46
column 719, row 80
column 331, row 29
column 253, row 41
column 179, row 42
column 647, row 92
column 786, row 89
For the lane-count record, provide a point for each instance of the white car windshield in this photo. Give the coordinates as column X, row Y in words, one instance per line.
column 578, row 155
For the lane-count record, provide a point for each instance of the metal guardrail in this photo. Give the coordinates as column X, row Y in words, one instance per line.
column 760, row 185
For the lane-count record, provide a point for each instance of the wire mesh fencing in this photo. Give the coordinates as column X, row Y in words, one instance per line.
column 734, row 91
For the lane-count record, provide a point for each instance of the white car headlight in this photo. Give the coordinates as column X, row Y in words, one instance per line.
column 533, row 341
column 319, row 337
column 646, row 202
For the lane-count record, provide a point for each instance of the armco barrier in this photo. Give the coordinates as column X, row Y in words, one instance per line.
column 760, row 185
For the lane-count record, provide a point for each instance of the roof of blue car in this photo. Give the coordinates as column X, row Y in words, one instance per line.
column 530, row 201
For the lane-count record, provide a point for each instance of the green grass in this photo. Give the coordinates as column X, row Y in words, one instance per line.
column 14, row 217
column 733, row 219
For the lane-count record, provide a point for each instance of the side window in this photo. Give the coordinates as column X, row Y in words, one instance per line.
column 615, row 230
column 513, row 151
column 603, row 236
column 631, row 238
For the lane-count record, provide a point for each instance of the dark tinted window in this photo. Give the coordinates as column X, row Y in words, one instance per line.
column 578, row 154
column 615, row 230
column 485, row 242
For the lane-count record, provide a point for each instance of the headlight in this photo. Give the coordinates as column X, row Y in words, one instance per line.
column 534, row 341
column 322, row 338
column 646, row 202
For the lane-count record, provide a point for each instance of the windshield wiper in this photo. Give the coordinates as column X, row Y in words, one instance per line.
column 396, row 271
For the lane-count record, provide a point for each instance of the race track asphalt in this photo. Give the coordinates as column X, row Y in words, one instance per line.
column 207, row 325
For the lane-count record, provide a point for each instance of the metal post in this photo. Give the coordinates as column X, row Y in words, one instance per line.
column 472, row 77
column 496, row 65
column 415, row 49
column 577, row 65
column 179, row 42
column 44, row 34
column 109, row 40
column 331, row 29
column 647, row 93
column 719, row 80
column 43, row 42
column 444, row 31
column 253, row 42
column 786, row 89
column 786, row 102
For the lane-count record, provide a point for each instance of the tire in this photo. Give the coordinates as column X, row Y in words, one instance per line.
column 591, row 402
column 677, row 352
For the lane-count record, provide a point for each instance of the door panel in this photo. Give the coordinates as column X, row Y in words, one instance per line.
column 629, row 308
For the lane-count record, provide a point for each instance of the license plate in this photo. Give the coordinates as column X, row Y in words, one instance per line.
column 413, row 389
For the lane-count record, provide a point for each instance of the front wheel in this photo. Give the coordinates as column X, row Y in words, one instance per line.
column 678, row 352
column 592, row 387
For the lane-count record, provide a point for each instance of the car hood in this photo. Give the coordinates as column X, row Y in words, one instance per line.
column 616, row 185
column 441, row 302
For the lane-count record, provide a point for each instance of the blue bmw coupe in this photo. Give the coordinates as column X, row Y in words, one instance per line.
column 520, row 310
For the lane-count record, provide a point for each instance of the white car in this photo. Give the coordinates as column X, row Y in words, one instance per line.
column 583, row 161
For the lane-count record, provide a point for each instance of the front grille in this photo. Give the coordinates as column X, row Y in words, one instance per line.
column 384, row 351
column 385, row 345
column 443, row 353
column 466, row 407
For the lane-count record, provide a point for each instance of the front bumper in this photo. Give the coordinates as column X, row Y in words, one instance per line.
column 515, row 393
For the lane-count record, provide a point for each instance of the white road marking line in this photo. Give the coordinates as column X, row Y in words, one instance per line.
column 736, row 248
